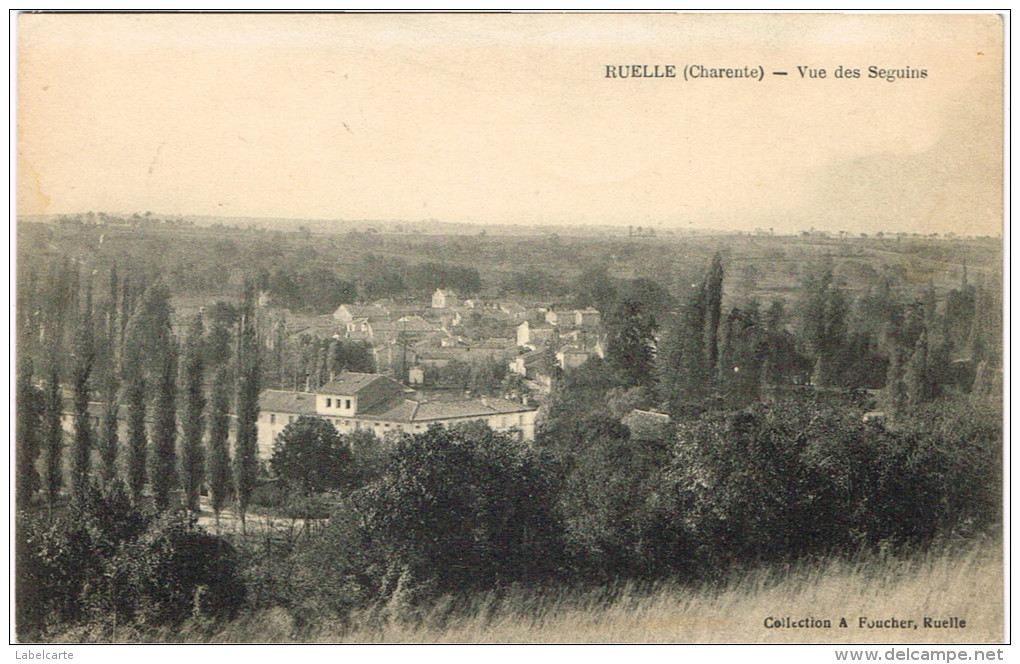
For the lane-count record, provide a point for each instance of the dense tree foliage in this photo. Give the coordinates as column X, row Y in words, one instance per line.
column 427, row 277
column 311, row 456
column 630, row 333
column 457, row 509
column 346, row 355
column 317, row 290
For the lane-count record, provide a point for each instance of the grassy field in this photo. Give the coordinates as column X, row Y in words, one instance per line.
column 966, row 584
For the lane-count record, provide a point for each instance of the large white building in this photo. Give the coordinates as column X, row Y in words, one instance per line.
column 377, row 403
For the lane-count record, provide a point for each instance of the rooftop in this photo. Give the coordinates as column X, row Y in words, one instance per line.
column 282, row 401
column 351, row 383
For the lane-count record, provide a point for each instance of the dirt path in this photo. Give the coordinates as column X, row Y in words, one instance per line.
column 230, row 521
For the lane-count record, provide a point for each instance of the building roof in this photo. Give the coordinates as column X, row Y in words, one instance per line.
column 392, row 410
column 391, row 407
column 410, row 324
column 408, row 410
column 439, row 410
column 361, row 310
column 352, row 383
column 282, row 401
column 532, row 356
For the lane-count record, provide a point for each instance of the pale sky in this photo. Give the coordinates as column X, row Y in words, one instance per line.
column 510, row 119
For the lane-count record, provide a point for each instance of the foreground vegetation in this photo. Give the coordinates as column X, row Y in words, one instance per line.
column 464, row 531
column 963, row 581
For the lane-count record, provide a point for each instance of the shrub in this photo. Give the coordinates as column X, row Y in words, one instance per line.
column 607, row 506
column 457, row 509
column 175, row 571
column 104, row 558
column 793, row 479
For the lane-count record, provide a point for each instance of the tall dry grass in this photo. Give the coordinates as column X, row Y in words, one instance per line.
column 966, row 584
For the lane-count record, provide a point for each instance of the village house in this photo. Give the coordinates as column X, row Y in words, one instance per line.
column 532, row 335
column 443, row 299
column 382, row 330
column 346, row 313
column 528, row 365
column 516, row 312
column 571, row 357
column 377, row 403
column 560, row 317
column 588, row 317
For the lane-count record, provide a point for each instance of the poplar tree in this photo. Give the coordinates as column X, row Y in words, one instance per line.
column 918, row 375
column 823, row 324
column 694, row 372
column 84, row 356
column 29, row 426
column 164, row 432
column 683, row 375
column 629, row 350
column 58, row 308
column 712, row 299
column 219, row 451
column 53, row 434
column 147, row 342
column 246, row 443
column 138, row 439
column 192, row 422
column 111, row 348
column 28, row 400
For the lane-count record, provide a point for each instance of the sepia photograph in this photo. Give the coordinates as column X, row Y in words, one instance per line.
column 509, row 328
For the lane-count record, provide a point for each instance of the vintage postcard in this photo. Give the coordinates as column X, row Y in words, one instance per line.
column 510, row 328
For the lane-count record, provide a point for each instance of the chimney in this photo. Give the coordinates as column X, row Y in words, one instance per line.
column 525, row 400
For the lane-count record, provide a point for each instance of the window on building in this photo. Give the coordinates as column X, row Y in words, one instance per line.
column 290, row 418
column 329, row 402
column 272, row 418
column 348, row 406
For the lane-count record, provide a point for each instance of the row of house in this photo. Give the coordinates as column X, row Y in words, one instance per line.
column 382, row 405
column 405, row 336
